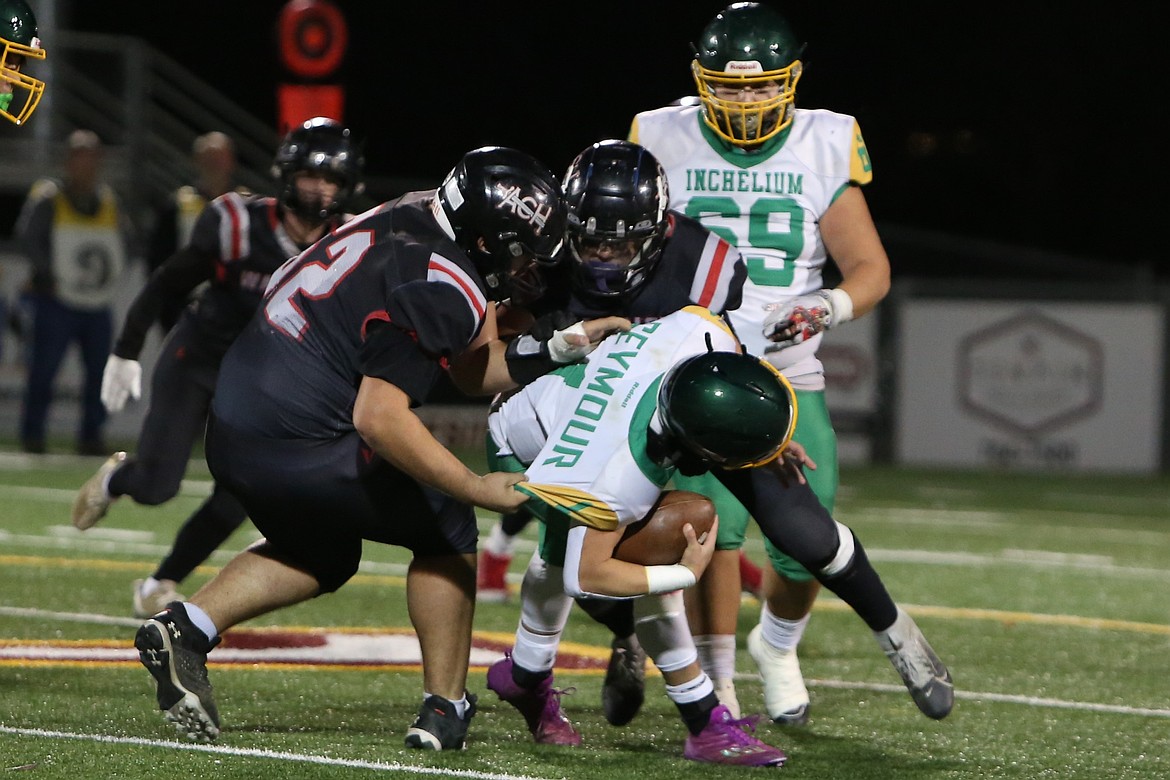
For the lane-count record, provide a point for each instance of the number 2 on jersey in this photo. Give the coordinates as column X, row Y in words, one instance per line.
column 312, row 279
column 761, row 234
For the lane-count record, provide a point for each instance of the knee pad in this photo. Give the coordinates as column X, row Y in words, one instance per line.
column 544, row 605
column 846, row 545
column 661, row 625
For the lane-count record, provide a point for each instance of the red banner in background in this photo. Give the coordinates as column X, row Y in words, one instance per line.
column 313, row 38
column 297, row 102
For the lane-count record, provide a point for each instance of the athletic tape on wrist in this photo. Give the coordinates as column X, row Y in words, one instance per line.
column 842, row 305
column 664, row 579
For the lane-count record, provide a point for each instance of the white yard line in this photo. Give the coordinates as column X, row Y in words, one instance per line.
column 279, row 755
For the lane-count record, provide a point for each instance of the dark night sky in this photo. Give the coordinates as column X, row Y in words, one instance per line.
column 1042, row 122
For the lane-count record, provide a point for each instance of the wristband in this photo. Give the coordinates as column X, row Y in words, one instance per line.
column 664, row 579
column 842, row 305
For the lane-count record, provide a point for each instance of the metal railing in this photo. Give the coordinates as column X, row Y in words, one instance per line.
column 146, row 107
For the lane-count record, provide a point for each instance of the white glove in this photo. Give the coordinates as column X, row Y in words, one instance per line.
column 122, row 379
column 562, row 349
column 799, row 319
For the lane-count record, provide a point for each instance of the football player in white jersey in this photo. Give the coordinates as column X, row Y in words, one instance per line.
column 593, row 440
column 783, row 184
column 598, row 442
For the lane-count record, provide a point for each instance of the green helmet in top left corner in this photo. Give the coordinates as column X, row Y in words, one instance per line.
column 730, row 410
column 19, row 92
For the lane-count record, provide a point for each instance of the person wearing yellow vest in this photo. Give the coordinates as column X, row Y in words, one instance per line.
column 213, row 156
column 76, row 237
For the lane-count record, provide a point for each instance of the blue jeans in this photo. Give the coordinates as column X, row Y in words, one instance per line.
column 55, row 327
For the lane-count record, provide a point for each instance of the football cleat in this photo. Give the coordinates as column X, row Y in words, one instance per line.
column 93, row 500
column 925, row 676
column 540, row 706
column 624, row 688
column 785, row 695
column 728, row 740
column 145, row 605
column 437, row 727
column 175, row 652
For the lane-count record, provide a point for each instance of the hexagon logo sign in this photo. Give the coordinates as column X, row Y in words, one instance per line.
column 1030, row 374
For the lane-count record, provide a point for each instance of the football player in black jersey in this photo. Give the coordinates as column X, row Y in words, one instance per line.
column 236, row 244
column 312, row 424
column 628, row 255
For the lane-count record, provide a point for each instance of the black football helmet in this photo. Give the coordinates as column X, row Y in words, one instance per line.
column 726, row 409
column 320, row 145
column 19, row 92
column 746, row 68
column 501, row 206
column 617, row 197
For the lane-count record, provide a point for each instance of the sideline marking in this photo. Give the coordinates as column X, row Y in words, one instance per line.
column 277, row 647
column 592, row 659
column 281, row 755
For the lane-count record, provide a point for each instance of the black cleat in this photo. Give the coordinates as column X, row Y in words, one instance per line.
column 625, row 681
column 175, row 652
column 437, row 727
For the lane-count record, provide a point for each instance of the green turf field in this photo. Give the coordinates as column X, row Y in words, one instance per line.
column 1047, row 597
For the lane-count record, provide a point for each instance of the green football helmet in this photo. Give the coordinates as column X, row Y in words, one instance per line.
column 730, row 410
column 746, row 68
column 19, row 92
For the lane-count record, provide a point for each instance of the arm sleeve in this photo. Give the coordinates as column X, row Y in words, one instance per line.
column 177, row 277
column 164, row 236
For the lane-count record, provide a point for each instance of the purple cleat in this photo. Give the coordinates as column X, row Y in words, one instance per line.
column 727, row 740
column 540, row 706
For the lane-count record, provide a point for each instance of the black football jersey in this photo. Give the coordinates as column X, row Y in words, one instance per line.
column 236, row 243
column 696, row 267
column 387, row 295
column 244, row 235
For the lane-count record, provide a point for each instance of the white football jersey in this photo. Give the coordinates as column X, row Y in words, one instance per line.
column 582, row 429
column 767, row 203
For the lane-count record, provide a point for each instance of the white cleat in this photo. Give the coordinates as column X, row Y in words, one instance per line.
column 925, row 676
column 93, row 499
column 149, row 605
column 785, row 696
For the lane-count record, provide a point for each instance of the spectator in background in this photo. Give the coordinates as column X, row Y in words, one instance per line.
column 214, row 157
column 77, row 238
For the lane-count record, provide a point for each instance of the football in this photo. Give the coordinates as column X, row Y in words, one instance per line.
column 657, row 539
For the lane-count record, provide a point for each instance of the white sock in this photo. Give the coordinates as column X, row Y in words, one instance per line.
column 781, row 633
column 717, row 655
column 535, row 652
column 498, row 542
column 693, row 690
column 149, row 586
column 201, row 620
